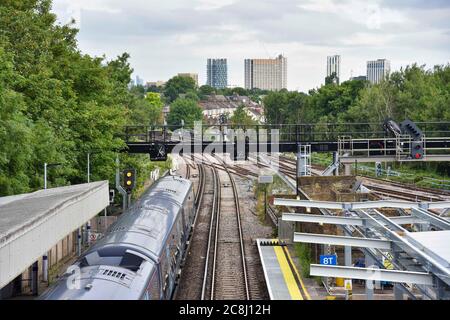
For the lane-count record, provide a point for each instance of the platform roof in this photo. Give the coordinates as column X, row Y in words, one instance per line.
column 434, row 243
column 31, row 224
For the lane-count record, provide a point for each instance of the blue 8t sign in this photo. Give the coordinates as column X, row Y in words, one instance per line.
column 329, row 260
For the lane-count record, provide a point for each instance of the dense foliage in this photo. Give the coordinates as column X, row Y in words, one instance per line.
column 178, row 85
column 240, row 117
column 57, row 104
column 413, row 92
column 186, row 110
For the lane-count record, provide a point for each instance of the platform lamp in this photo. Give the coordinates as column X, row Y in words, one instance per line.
column 92, row 152
column 46, row 166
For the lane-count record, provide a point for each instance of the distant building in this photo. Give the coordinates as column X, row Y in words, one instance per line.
column 214, row 106
column 360, row 78
column 378, row 70
column 266, row 74
column 217, row 73
column 194, row 76
column 157, row 84
column 334, row 69
column 139, row 81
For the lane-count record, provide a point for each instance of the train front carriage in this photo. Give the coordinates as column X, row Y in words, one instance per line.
column 139, row 256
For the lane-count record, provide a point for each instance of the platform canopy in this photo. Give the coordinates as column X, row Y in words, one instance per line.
column 31, row 224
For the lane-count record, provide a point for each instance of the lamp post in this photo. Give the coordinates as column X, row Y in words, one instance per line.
column 89, row 163
column 88, row 167
column 46, row 166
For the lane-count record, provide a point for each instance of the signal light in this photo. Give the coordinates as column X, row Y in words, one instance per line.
column 129, row 179
column 417, row 151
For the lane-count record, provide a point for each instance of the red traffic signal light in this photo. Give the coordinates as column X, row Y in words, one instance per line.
column 417, row 150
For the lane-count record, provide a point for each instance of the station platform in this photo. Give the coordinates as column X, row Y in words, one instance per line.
column 31, row 224
column 282, row 277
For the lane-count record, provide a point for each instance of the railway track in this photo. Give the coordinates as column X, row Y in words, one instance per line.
column 380, row 187
column 225, row 273
column 256, row 287
column 223, row 260
column 190, row 285
column 443, row 194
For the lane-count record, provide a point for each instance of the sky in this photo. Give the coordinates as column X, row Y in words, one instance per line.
column 176, row 36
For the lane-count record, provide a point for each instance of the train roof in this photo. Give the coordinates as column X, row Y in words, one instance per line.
column 101, row 283
column 173, row 187
column 145, row 226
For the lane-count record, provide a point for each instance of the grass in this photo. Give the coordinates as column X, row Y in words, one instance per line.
column 259, row 192
column 321, row 159
column 409, row 173
column 419, row 174
column 303, row 252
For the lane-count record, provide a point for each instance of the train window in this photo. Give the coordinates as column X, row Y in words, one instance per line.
column 131, row 262
column 120, row 257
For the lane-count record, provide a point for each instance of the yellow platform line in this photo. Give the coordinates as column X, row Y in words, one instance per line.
column 308, row 297
column 287, row 274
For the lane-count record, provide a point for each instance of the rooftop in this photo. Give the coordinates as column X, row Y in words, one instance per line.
column 31, row 224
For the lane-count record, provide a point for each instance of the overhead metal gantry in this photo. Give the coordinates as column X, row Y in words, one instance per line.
column 420, row 258
column 350, row 140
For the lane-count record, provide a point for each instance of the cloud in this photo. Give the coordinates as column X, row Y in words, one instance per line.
column 417, row 4
column 213, row 4
column 168, row 37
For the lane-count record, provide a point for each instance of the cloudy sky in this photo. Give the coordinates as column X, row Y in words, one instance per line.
column 171, row 36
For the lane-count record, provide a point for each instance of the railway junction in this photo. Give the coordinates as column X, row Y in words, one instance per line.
column 366, row 233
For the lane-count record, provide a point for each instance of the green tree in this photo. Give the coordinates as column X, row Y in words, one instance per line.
column 57, row 104
column 206, row 90
column 332, row 79
column 240, row 117
column 155, row 108
column 285, row 107
column 184, row 109
column 192, row 95
column 178, row 85
column 15, row 133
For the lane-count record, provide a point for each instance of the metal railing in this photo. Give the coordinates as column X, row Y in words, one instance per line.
column 287, row 132
column 399, row 147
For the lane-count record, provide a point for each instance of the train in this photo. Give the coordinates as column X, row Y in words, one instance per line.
column 140, row 255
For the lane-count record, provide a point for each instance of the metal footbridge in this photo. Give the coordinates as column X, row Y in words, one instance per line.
column 361, row 142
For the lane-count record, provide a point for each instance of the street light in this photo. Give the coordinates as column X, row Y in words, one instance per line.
column 89, row 163
column 48, row 165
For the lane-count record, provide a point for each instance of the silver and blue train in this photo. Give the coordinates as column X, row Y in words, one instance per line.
column 140, row 255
